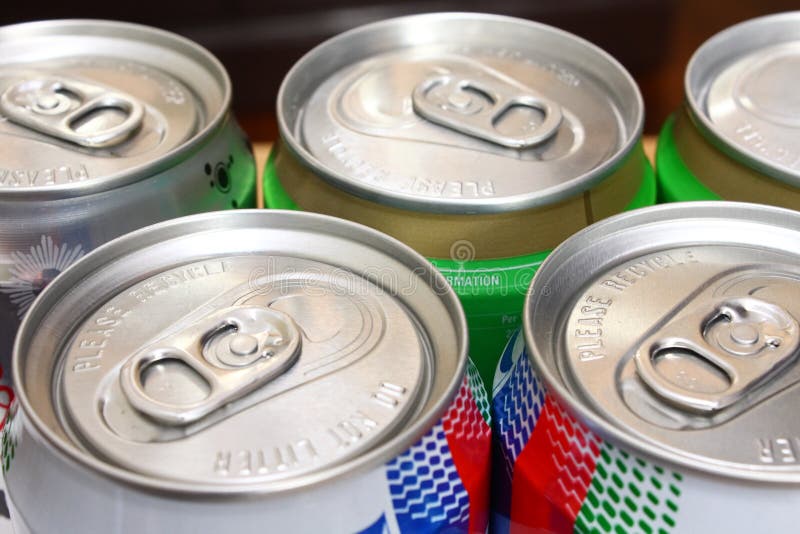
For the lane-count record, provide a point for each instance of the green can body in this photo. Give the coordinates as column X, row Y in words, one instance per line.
column 690, row 166
column 736, row 136
column 492, row 291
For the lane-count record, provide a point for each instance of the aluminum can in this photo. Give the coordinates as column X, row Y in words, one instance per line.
column 656, row 383
column 105, row 127
column 736, row 136
column 481, row 141
column 245, row 371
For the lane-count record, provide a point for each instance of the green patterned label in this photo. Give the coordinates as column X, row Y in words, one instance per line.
column 628, row 495
column 8, row 443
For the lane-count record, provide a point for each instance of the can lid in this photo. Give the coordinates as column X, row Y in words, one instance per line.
column 460, row 113
column 274, row 359
column 681, row 340
column 90, row 105
column 741, row 91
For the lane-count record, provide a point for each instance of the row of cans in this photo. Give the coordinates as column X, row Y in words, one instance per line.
column 653, row 384
column 231, row 370
column 249, row 371
column 651, row 381
column 310, row 373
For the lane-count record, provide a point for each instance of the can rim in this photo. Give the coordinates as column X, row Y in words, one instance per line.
column 756, row 213
column 717, row 44
column 117, row 249
column 416, row 203
column 182, row 45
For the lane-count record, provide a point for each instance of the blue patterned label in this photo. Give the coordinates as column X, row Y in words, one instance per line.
column 518, row 401
column 518, row 395
column 381, row 526
column 426, row 490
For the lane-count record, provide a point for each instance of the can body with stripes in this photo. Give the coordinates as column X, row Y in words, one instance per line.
column 106, row 127
column 228, row 371
column 735, row 138
column 481, row 141
column 661, row 406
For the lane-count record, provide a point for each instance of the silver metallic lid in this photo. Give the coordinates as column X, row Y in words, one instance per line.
column 460, row 113
column 741, row 87
column 90, row 105
column 674, row 331
column 227, row 352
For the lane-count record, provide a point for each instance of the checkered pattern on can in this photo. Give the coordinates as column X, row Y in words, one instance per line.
column 517, row 406
column 464, row 421
column 628, row 494
column 574, row 449
column 476, row 385
column 426, row 490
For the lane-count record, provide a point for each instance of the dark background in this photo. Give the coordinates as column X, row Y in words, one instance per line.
column 258, row 41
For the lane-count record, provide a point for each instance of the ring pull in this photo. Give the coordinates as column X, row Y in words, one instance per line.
column 477, row 107
column 712, row 356
column 75, row 111
column 228, row 354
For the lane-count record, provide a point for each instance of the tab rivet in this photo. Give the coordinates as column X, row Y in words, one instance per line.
column 744, row 334
column 243, row 344
column 459, row 100
column 47, row 102
column 51, row 104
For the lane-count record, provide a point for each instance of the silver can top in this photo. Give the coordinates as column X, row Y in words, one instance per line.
column 460, row 113
column 271, row 362
column 90, row 105
column 741, row 91
column 674, row 331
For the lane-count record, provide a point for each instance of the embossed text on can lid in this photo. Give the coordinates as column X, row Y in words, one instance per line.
column 91, row 105
column 243, row 352
column 674, row 332
column 460, row 113
column 741, row 91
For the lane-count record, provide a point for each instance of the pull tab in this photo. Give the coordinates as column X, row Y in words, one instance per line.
column 477, row 105
column 707, row 359
column 229, row 354
column 78, row 112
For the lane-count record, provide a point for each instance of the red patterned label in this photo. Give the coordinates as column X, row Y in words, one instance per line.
column 563, row 477
column 553, row 472
column 6, row 398
column 469, row 438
